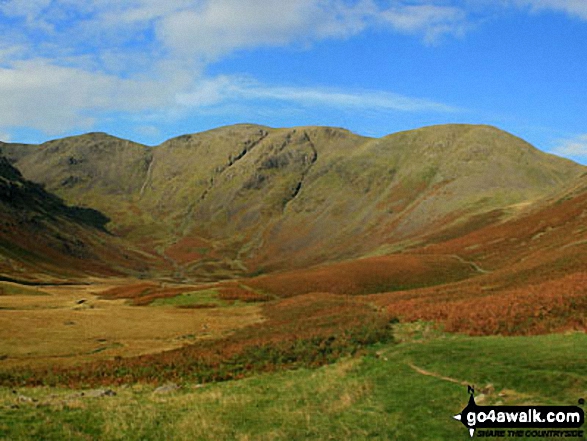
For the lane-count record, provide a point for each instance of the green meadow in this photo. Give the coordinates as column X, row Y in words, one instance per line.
column 407, row 390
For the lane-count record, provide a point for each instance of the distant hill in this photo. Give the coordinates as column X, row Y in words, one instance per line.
column 248, row 199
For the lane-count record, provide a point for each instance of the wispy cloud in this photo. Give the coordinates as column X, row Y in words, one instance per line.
column 575, row 147
column 208, row 29
column 429, row 20
column 225, row 89
column 65, row 63
column 576, row 8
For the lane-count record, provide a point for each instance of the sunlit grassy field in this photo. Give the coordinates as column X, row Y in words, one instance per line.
column 68, row 325
column 407, row 390
column 317, row 366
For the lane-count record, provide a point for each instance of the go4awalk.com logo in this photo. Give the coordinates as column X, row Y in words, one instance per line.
column 522, row 421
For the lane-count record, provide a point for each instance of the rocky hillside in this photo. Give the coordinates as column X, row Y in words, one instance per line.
column 247, row 199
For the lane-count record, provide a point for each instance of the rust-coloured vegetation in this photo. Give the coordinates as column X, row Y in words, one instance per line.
column 522, row 276
column 475, row 309
column 189, row 249
column 307, row 330
column 145, row 293
column 531, row 275
column 535, row 238
column 366, row 276
column 236, row 292
column 129, row 291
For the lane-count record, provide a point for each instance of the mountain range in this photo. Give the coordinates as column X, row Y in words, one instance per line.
column 246, row 200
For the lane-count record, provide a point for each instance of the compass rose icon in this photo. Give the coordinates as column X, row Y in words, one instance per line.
column 471, row 407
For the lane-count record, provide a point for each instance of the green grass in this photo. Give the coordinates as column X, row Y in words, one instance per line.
column 205, row 298
column 378, row 396
column 208, row 297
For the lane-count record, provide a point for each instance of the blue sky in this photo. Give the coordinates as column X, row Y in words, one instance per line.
column 148, row 70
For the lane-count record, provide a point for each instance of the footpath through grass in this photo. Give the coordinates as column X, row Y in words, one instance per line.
column 406, row 391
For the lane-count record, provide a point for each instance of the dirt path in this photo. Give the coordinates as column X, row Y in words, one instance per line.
column 435, row 375
column 488, row 390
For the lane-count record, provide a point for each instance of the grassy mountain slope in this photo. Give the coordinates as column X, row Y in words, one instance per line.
column 94, row 170
column 531, row 273
column 246, row 198
column 405, row 185
column 42, row 237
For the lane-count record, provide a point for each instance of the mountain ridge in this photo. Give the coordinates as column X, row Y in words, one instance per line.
column 247, row 198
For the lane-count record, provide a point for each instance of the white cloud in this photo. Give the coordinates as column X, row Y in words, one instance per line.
column 572, row 147
column 577, row 8
column 36, row 93
column 221, row 26
column 427, row 19
column 218, row 27
column 64, row 64
column 208, row 29
column 140, row 11
column 225, row 89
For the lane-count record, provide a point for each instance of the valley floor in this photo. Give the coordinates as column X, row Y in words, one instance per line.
column 69, row 325
column 407, row 390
